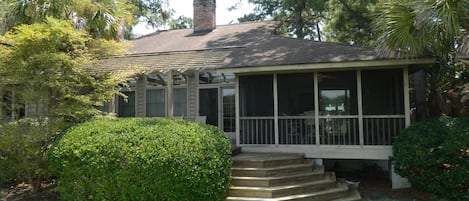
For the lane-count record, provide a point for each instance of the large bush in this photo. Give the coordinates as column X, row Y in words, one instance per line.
column 434, row 156
column 142, row 159
column 23, row 148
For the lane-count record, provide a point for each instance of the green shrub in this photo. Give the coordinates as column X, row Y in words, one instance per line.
column 142, row 159
column 434, row 156
column 23, row 148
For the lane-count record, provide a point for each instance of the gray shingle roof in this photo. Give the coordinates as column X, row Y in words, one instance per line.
column 251, row 44
column 232, row 46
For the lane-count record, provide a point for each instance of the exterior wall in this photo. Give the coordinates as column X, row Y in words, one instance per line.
column 141, row 96
column 192, row 95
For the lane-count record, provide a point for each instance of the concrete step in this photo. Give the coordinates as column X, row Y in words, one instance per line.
column 305, row 167
column 327, row 182
column 331, row 194
column 292, row 178
column 265, row 160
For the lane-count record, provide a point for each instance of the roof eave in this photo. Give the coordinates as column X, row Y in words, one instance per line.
column 329, row 66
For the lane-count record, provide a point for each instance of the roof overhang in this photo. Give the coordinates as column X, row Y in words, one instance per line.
column 372, row 64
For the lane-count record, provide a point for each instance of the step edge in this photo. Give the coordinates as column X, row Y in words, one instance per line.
column 283, row 187
column 260, row 178
column 274, row 168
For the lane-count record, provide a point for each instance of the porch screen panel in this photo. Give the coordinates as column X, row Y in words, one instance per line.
column 383, row 105
column 338, row 108
column 127, row 108
column 257, row 109
column 296, row 108
column 156, row 103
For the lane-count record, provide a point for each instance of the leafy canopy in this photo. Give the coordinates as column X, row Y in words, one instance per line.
column 49, row 67
column 110, row 19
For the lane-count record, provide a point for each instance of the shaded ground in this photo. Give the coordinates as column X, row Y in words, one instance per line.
column 376, row 186
column 22, row 192
column 373, row 187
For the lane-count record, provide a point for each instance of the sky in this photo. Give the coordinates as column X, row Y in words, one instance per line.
column 184, row 7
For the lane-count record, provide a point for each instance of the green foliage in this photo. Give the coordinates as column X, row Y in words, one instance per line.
column 182, row 22
column 436, row 28
column 100, row 18
column 349, row 21
column 142, row 159
column 434, row 156
column 49, row 68
column 298, row 19
column 23, row 147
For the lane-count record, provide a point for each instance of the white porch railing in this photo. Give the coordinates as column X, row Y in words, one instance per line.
column 339, row 130
column 333, row 130
column 380, row 130
column 257, row 130
column 296, row 130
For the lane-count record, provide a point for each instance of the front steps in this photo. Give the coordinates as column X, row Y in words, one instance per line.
column 276, row 176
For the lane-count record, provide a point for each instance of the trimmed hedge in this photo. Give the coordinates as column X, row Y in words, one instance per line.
column 142, row 159
column 434, row 156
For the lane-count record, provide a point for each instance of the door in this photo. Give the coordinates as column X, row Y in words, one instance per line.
column 208, row 105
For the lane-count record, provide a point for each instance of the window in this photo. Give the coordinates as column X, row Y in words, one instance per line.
column 156, row 103
column 127, row 108
column 180, row 102
column 229, row 119
column 214, row 77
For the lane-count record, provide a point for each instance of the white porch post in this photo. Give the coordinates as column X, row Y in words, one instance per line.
column 406, row 96
column 170, row 95
column 316, row 107
column 396, row 180
column 275, row 109
column 360, row 107
column 237, row 111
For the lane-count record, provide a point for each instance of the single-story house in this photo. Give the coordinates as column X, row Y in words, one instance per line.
column 270, row 93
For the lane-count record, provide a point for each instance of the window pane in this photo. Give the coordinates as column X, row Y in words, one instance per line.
column 156, row 103
column 156, row 79
column 179, row 79
column 180, row 101
column 257, row 97
column 214, row 77
column 229, row 110
column 296, row 94
column 338, row 93
column 383, row 92
column 127, row 109
column 208, row 105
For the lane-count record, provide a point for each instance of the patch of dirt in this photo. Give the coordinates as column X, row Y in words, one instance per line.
column 22, row 192
column 375, row 185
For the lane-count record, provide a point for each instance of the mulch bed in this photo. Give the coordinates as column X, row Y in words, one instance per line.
column 22, row 192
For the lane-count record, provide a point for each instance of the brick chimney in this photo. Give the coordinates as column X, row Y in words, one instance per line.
column 204, row 16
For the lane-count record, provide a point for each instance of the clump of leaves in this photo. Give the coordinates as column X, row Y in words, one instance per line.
column 434, row 156
column 142, row 159
column 23, row 150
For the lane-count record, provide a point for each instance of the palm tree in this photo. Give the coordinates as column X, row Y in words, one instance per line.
column 110, row 19
column 415, row 28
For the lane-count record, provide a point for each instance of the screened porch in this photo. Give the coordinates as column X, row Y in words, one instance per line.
column 354, row 108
